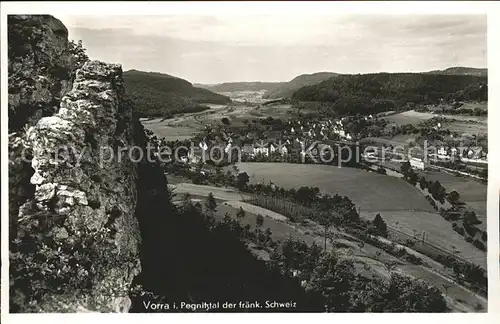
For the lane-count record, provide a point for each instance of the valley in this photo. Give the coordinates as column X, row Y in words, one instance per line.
column 325, row 190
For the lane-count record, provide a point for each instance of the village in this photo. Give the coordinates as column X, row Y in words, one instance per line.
column 318, row 141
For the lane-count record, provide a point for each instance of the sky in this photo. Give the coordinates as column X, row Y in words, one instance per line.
column 215, row 49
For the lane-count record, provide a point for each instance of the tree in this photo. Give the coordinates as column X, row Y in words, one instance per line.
column 306, row 195
column 334, row 279
column 225, row 121
column 219, row 176
column 470, row 218
column 186, row 199
column 405, row 294
column 423, row 183
column 79, row 54
column 380, row 226
column 259, row 221
column 210, row 205
column 405, row 168
column 437, row 190
column 240, row 214
column 268, row 233
column 454, row 197
column 327, row 219
column 412, row 177
column 242, row 180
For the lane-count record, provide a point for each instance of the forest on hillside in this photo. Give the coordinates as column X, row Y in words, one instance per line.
column 287, row 89
column 162, row 95
column 241, row 86
column 372, row 93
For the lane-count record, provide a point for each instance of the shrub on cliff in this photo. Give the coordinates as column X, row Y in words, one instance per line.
column 79, row 55
column 49, row 259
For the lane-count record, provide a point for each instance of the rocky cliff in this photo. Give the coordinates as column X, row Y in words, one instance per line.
column 74, row 234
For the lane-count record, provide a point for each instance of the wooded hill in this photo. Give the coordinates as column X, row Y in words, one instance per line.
column 240, row 86
column 371, row 93
column 286, row 89
column 162, row 95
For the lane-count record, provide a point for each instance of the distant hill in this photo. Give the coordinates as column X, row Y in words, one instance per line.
column 240, row 86
column 371, row 93
column 158, row 94
column 459, row 70
column 286, row 89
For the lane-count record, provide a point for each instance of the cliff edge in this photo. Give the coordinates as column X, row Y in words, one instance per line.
column 74, row 235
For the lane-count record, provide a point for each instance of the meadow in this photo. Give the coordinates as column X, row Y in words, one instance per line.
column 466, row 128
column 368, row 190
column 166, row 129
column 409, row 117
column 400, row 204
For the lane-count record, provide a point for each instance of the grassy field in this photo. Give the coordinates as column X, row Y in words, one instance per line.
column 438, row 231
column 405, row 139
column 409, row 117
column 461, row 124
column 368, row 190
column 201, row 190
column 472, row 192
column 481, row 105
column 466, row 128
column 163, row 128
column 401, row 205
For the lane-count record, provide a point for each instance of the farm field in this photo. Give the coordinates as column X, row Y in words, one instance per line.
column 368, row 190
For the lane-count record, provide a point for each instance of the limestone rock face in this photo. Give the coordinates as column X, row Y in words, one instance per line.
column 40, row 67
column 82, row 179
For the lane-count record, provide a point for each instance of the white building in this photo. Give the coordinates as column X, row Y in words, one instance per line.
column 417, row 163
column 261, row 150
column 443, row 153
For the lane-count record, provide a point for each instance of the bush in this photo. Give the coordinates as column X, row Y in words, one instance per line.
column 471, row 230
column 413, row 259
column 479, row 245
column 458, row 229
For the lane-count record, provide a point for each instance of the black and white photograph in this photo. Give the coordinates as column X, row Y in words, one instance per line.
column 245, row 163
